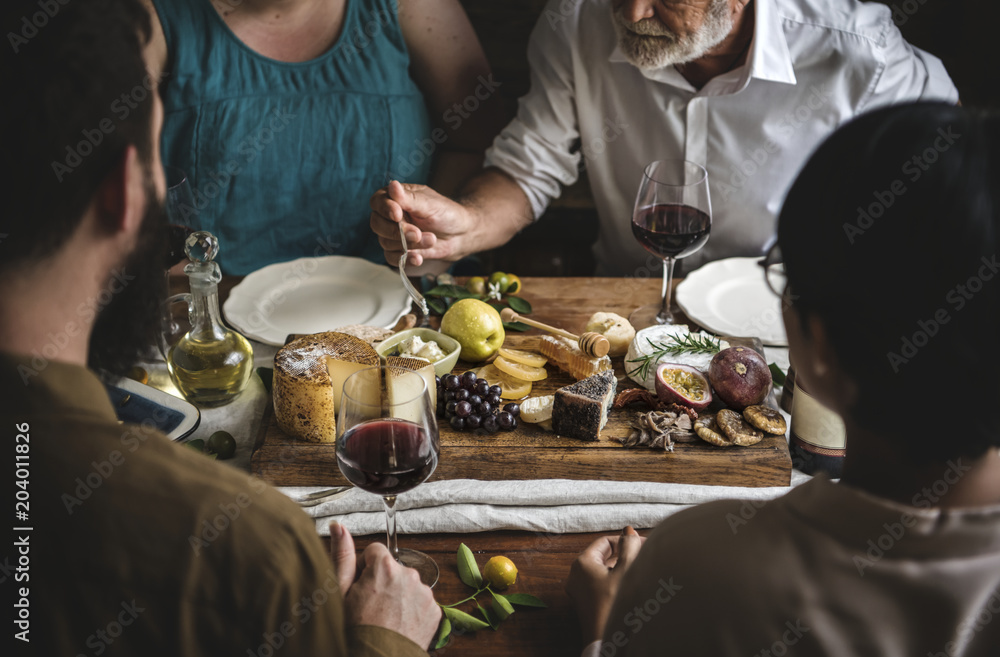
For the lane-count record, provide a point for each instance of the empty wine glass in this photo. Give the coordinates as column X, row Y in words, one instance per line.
column 672, row 219
column 183, row 220
column 387, row 444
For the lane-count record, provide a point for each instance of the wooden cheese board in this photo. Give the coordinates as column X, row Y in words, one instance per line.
column 530, row 452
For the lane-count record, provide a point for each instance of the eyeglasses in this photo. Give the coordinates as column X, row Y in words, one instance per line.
column 774, row 270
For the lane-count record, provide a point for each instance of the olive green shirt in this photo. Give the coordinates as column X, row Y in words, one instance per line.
column 140, row 546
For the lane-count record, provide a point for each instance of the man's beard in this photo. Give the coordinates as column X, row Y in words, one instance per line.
column 127, row 326
column 649, row 45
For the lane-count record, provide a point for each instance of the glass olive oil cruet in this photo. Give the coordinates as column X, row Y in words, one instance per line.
column 210, row 364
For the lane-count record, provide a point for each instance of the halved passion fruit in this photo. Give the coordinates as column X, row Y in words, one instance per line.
column 680, row 384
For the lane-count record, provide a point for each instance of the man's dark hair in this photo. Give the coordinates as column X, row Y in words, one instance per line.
column 76, row 94
column 891, row 236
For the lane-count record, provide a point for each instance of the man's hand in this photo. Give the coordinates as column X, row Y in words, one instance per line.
column 385, row 593
column 594, row 578
column 433, row 223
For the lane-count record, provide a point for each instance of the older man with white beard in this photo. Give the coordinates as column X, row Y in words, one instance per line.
column 745, row 88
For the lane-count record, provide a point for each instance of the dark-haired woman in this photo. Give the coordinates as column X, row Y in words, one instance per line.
column 285, row 114
column 890, row 238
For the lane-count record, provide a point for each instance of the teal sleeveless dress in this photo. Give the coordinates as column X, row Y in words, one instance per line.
column 283, row 157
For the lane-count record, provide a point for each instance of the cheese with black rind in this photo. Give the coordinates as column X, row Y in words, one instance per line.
column 580, row 410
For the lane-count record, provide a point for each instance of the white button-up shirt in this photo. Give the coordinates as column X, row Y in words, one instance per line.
column 812, row 65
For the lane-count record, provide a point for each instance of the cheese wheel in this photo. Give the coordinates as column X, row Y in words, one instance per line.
column 309, row 376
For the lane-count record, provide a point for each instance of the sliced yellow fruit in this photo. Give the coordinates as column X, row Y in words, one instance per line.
column 520, row 370
column 510, row 387
column 523, row 357
column 537, row 409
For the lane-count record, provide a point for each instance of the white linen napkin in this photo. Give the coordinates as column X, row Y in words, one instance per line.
column 544, row 505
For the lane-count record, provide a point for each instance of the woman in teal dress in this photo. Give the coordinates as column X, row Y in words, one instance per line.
column 287, row 114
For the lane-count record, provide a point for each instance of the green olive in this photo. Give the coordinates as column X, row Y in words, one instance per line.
column 501, row 280
column 222, row 444
column 476, row 285
column 197, row 444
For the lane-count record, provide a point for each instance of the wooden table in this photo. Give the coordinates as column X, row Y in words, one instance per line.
column 543, row 560
column 533, row 453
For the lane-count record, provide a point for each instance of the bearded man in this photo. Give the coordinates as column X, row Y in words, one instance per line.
column 745, row 88
column 128, row 543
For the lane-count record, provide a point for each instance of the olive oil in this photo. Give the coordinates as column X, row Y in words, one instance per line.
column 211, row 364
column 211, row 373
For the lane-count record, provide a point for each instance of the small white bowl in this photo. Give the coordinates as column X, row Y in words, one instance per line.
column 448, row 344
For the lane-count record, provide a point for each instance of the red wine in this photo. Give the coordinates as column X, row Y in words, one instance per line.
column 176, row 234
column 671, row 230
column 387, row 457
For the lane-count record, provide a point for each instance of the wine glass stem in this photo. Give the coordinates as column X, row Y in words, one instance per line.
column 390, row 526
column 668, row 274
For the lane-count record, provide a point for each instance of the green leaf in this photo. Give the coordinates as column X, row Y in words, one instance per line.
column 468, row 569
column 463, row 621
column 519, row 305
column 454, row 291
column 515, row 326
column 525, row 600
column 489, row 616
column 444, row 634
column 501, row 607
column 266, row 375
column 437, row 306
column 776, row 374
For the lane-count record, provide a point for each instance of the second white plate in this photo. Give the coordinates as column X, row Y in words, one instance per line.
column 730, row 297
column 310, row 295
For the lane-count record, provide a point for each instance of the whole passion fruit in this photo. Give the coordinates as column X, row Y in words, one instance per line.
column 680, row 384
column 740, row 377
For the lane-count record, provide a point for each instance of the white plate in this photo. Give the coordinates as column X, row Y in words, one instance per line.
column 311, row 295
column 730, row 297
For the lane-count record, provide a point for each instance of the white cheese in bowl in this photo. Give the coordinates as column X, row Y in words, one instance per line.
column 414, row 347
column 663, row 334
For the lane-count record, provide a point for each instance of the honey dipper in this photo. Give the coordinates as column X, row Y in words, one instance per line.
column 594, row 345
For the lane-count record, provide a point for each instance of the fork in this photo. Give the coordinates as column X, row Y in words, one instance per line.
column 414, row 294
column 320, row 496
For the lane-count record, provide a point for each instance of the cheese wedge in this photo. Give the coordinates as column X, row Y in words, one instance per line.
column 394, row 364
column 309, row 376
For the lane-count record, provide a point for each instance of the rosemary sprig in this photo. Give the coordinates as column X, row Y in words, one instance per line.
column 692, row 343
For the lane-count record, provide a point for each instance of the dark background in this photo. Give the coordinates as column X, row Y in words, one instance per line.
column 964, row 34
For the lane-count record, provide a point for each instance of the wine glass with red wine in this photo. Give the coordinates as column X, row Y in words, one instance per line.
column 182, row 214
column 672, row 219
column 387, row 444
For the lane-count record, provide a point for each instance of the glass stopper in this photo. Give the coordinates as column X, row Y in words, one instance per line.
column 201, row 246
